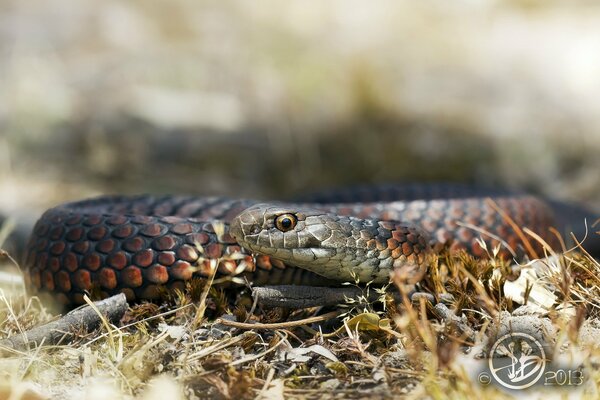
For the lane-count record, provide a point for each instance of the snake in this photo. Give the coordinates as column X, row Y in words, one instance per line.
column 144, row 245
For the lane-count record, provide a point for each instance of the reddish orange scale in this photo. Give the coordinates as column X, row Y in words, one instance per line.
column 399, row 235
column 153, row 230
column 131, row 276
column 82, row 279
column 227, row 238
column 366, row 211
column 249, row 265
column 263, row 262
column 209, row 228
column 443, row 236
column 411, row 237
column 107, row 278
column 123, row 232
column 91, row 261
column 142, row 219
column 170, row 219
column 134, row 244
column 386, row 225
column 48, row 280
column 117, row 260
column 157, row 274
column 73, row 220
column 57, row 248
column 63, row 281
column 74, row 234
column 81, row 247
column 407, row 249
column 181, row 229
column 476, row 249
column 106, row 246
column 227, row 267
column 97, row 233
column 214, row 250
column 232, row 249
column 187, row 253
column 164, row 243
column 166, row 258
column 53, row 264
column 70, row 262
column 199, row 238
column 181, row 270
column 465, row 235
column 143, row 258
column 205, row 268
column 92, row 220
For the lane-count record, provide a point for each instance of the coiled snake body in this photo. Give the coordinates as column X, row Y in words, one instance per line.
column 140, row 245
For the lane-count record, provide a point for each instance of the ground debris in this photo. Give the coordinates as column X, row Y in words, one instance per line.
column 418, row 345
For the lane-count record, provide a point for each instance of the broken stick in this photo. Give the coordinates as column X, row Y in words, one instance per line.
column 84, row 319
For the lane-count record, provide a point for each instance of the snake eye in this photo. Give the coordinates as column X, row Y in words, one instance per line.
column 285, row 222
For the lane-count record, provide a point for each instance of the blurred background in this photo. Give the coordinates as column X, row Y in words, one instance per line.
column 269, row 99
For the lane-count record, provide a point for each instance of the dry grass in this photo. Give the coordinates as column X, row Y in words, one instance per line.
column 188, row 347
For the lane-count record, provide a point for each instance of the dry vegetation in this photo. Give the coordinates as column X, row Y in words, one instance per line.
column 191, row 346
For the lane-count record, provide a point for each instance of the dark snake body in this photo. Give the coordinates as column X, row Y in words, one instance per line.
column 143, row 245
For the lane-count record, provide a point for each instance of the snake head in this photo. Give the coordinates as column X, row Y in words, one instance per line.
column 337, row 247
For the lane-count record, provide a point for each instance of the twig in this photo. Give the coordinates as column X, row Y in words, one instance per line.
column 83, row 319
column 279, row 325
column 4, row 253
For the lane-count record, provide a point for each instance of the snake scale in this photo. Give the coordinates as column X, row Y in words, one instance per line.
column 142, row 245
